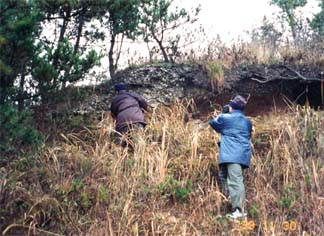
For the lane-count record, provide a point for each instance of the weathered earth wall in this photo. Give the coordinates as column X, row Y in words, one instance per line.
column 267, row 87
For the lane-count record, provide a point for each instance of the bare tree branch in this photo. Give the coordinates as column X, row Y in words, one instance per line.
column 300, row 75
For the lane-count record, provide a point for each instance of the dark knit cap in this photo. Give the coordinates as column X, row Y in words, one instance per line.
column 121, row 86
column 238, row 103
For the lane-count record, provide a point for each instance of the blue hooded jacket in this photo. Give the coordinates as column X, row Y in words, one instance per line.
column 236, row 131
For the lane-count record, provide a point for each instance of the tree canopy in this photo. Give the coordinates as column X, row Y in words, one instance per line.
column 45, row 45
column 288, row 8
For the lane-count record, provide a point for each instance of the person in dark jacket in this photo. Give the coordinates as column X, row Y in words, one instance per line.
column 128, row 110
column 234, row 153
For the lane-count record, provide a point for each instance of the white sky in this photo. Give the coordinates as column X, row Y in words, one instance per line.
column 230, row 18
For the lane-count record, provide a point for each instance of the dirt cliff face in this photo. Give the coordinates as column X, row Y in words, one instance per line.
column 295, row 82
column 267, row 88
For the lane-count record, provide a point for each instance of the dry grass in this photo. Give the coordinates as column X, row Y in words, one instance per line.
column 215, row 74
column 86, row 185
column 256, row 52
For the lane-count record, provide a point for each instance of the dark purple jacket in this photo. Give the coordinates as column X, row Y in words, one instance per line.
column 127, row 108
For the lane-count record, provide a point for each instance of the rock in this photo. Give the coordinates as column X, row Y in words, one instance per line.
column 163, row 83
column 158, row 84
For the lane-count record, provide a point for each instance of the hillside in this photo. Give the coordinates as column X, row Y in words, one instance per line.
column 80, row 183
column 61, row 172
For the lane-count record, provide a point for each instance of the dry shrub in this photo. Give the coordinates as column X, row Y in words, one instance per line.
column 215, row 74
column 166, row 184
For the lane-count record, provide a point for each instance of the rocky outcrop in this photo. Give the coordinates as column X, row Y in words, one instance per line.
column 159, row 84
column 163, row 83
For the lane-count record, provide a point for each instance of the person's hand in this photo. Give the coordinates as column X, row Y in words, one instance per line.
column 226, row 109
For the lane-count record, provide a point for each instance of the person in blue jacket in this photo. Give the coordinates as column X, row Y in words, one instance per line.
column 234, row 153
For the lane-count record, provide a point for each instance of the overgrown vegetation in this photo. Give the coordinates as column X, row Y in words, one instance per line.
column 88, row 186
column 16, row 131
column 47, row 46
column 80, row 183
column 215, row 73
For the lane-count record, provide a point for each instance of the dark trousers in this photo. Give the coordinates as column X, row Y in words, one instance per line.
column 129, row 135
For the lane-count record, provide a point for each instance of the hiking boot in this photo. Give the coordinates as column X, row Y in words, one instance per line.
column 236, row 214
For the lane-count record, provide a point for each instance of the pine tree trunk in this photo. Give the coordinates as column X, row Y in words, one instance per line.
column 80, row 28
column 165, row 55
column 21, row 104
column 162, row 48
column 112, row 68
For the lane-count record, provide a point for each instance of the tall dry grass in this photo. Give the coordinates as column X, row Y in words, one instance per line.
column 83, row 184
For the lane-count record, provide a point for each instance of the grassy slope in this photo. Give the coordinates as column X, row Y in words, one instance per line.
column 82, row 184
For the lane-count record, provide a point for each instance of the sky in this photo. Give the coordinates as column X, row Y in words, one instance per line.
column 230, row 18
column 227, row 19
